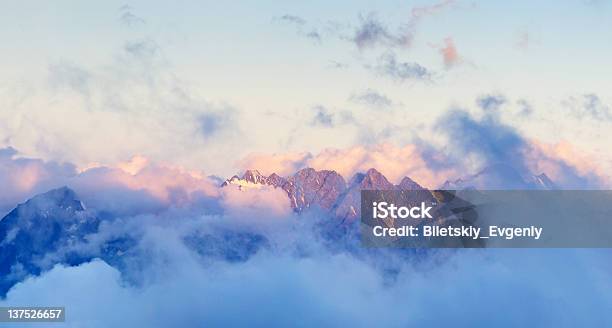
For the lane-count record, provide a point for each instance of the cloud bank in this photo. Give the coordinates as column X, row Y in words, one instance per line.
column 300, row 281
column 466, row 143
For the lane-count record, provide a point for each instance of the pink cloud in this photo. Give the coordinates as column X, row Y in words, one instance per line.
column 419, row 12
column 562, row 162
column 281, row 163
column 163, row 185
column 394, row 162
column 166, row 183
column 449, row 53
column 22, row 178
column 254, row 205
column 555, row 159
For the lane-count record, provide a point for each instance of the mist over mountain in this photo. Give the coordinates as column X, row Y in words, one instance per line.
column 41, row 226
column 197, row 164
column 330, row 191
column 260, row 235
column 56, row 227
column 501, row 177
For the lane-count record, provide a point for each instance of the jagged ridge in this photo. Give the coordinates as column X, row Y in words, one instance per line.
column 325, row 189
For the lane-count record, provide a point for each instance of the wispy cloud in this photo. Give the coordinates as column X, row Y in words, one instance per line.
column 371, row 33
column 588, row 106
column 293, row 19
column 323, row 117
column 596, row 108
column 389, row 66
column 523, row 40
column 143, row 49
column 302, row 27
column 337, row 65
column 23, row 177
column 491, row 102
column 449, row 53
column 128, row 17
column 525, row 108
column 70, row 76
column 480, row 142
column 213, row 123
column 371, row 98
column 136, row 94
column 424, row 11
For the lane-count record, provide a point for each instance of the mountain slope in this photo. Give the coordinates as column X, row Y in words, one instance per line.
column 501, row 177
column 40, row 226
column 325, row 189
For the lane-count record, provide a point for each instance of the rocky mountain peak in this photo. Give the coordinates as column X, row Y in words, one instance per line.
column 253, row 176
column 409, row 184
column 373, row 179
column 63, row 198
column 542, row 180
column 43, row 224
column 276, row 180
column 501, row 177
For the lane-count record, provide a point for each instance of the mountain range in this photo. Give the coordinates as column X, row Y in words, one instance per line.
column 52, row 227
column 329, row 191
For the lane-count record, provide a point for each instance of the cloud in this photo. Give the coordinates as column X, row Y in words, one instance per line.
column 128, row 18
column 465, row 144
column 389, row 66
column 525, row 108
column 136, row 95
column 383, row 288
column 486, row 142
column 596, row 109
column 217, row 122
column 254, row 204
column 449, row 53
column 69, row 76
column 293, row 19
column 491, row 102
column 314, row 35
column 22, row 178
column 210, row 262
column 143, row 49
column 371, row 33
column 322, row 117
column 371, row 98
column 301, row 25
column 283, row 164
column 424, row 11
column 393, row 161
column 337, row 64
column 135, row 186
column 567, row 165
column 523, row 40
column 589, row 106
column 144, row 187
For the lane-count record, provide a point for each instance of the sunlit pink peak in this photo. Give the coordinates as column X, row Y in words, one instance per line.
column 253, row 176
column 372, row 179
column 409, row 184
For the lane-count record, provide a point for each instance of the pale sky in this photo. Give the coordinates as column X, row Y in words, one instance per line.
column 203, row 84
